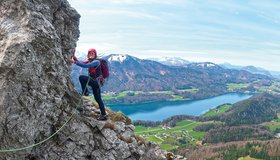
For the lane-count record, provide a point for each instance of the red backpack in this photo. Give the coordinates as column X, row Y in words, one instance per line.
column 104, row 68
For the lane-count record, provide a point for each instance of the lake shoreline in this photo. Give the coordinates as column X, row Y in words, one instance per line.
column 177, row 100
column 159, row 110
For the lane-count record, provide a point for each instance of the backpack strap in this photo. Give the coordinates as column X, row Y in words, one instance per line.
column 94, row 72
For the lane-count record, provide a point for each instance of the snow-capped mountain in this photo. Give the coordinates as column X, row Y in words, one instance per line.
column 171, row 61
column 204, row 65
column 117, row 58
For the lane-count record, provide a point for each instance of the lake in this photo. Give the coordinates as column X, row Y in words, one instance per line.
column 157, row 111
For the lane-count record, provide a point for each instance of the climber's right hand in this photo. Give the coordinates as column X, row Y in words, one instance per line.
column 70, row 60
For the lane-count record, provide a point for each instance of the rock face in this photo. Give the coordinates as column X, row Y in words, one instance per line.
column 37, row 96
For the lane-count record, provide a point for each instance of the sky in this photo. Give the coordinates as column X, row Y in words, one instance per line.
column 240, row 32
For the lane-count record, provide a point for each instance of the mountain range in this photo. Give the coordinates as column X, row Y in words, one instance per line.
column 252, row 69
column 131, row 73
column 176, row 61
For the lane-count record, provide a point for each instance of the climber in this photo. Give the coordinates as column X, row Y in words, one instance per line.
column 95, row 77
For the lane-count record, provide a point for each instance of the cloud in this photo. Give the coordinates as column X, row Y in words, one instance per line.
column 234, row 31
column 118, row 12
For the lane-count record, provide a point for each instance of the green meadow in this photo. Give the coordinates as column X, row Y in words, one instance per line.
column 181, row 135
column 219, row 110
column 111, row 96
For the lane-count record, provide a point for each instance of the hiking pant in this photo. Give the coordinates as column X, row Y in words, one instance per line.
column 96, row 91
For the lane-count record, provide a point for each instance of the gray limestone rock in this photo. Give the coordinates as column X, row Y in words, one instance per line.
column 37, row 97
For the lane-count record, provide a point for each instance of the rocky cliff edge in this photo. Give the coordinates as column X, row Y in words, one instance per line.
column 37, row 99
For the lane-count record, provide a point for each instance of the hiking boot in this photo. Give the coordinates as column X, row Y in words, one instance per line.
column 102, row 117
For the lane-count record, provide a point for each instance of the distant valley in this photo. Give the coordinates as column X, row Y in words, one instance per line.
column 248, row 128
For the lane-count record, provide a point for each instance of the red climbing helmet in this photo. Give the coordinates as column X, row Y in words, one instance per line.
column 92, row 50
